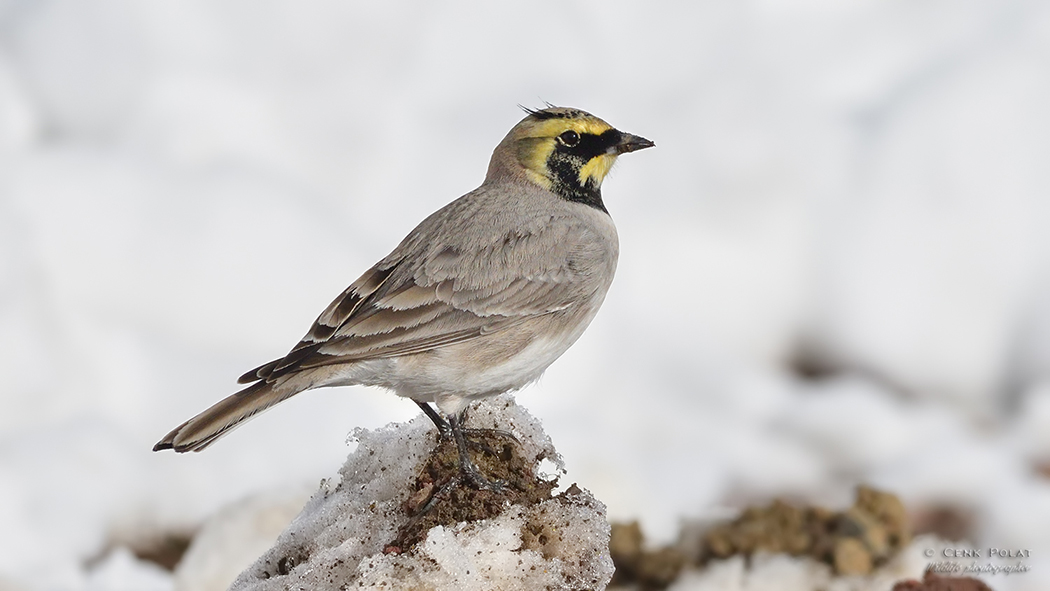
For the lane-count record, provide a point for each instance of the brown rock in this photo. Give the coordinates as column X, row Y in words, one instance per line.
column 851, row 557
column 858, row 524
column 888, row 510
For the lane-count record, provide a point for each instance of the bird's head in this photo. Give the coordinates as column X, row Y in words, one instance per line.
column 566, row 151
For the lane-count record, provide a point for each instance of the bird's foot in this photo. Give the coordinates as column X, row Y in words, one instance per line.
column 490, row 432
column 472, row 476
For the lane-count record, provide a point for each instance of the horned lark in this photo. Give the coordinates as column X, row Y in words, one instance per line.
column 479, row 299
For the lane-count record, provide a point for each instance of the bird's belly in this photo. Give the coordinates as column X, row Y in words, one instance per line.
column 453, row 376
column 456, row 373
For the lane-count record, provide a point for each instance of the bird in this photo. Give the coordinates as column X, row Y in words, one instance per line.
column 479, row 299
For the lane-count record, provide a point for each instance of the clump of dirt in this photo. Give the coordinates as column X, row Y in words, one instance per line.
column 440, row 497
column 163, row 548
column 165, row 551
column 934, row 582
column 853, row 542
column 648, row 568
column 286, row 563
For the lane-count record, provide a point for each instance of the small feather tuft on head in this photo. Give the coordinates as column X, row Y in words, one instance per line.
column 549, row 112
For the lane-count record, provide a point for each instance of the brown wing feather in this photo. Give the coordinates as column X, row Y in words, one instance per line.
column 337, row 312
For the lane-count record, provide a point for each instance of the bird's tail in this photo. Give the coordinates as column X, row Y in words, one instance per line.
column 203, row 429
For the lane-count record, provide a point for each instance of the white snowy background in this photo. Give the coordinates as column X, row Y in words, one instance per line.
column 185, row 185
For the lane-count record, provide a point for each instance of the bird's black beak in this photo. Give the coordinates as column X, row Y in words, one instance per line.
column 631, row 143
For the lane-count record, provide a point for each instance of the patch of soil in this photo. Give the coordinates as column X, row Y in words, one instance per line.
column 441, row 498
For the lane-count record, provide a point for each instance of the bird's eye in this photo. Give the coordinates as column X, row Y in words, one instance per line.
column 569, row 138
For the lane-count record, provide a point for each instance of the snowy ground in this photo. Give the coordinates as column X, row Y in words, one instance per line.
column 185, row 185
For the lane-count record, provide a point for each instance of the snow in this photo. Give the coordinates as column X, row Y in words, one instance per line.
column 779, row 572
column 235, row 536
column 121, row 571
column 341, row 538
column 184, row 186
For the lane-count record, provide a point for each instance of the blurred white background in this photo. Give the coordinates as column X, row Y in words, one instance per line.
column 835, row 265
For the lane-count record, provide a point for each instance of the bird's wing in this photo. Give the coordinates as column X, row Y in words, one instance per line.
column 429, row 294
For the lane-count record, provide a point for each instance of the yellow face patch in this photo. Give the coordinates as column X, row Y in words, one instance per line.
column 537, row 140
column 554, row 127
column 596, row 169
column 533, row 154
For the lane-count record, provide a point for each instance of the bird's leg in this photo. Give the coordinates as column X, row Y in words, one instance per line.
column 446, row 431
column 466, row 465
column 442, row 425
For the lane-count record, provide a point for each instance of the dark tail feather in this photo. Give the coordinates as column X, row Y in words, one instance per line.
column 203, row 429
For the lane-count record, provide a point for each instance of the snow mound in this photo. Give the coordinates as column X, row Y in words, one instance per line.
column 351, row 533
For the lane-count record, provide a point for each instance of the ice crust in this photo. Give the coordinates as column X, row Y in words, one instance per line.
column 341, row 539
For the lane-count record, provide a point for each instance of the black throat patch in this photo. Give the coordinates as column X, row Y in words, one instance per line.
column 566, row 161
